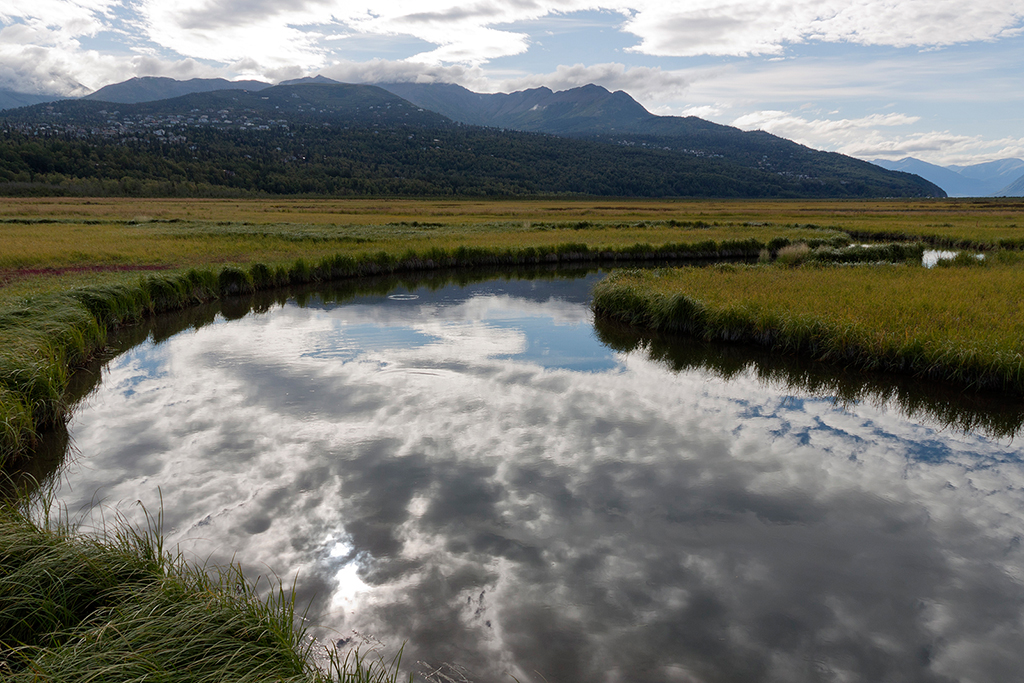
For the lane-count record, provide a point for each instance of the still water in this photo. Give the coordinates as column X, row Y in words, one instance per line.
column 479, row 473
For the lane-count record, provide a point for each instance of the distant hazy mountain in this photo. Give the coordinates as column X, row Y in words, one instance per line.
column 151, row 88
column 978, row 180
column 1001, row 170
column 1014, row 189
column 1007, row 173
column 10, row 99
column 952, row 182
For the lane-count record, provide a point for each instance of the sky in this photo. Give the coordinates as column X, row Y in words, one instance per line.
column 939, row 80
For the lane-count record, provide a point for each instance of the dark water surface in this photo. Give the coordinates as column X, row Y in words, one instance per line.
column 479, row 473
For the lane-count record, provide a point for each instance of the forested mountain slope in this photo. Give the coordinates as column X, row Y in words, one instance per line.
column 341, row 139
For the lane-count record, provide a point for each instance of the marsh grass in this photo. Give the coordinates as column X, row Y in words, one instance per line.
column 792, row 254
column 963, row 259
column 961, row 325
column 116, row 606
column 63, row 245
column 821, row 251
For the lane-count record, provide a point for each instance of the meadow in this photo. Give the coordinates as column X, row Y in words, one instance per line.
column 71, row 270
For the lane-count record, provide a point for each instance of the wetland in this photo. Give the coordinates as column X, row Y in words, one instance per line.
column 473, row 468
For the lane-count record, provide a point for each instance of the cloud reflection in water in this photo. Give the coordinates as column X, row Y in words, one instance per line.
column 474, row 474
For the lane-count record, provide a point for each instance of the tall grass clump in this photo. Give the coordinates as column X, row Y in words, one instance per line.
column 41, row 338
column 232, row 280
column 117, row 607
column 796, row 253
column 792, row 254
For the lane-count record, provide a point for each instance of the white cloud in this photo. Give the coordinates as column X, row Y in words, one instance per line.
column 401, row 71
column 195, row 29
column 641, row 82
column 704, row 111
column 938, row 147
column 793, row 126
column 872, row 137
column 66, row 17
column 304, row 33
column 766, row 27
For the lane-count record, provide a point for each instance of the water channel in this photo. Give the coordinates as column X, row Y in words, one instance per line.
column 476, row 471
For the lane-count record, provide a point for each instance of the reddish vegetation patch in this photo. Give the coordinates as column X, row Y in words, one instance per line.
column 8, row 275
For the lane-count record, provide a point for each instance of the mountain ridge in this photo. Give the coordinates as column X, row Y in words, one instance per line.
column 1000, row 178
column 153, row 88
column 347, row 120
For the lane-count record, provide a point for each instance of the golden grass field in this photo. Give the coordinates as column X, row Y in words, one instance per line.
column 980, row 307
column 67, row 233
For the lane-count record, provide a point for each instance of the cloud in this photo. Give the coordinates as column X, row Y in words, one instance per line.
column 640, row 81
column 268, row 34
column 71, row 71
column 304, row 33
column 871, row 137
column 766, row 27
column 477, row 33
column 70, row 46
column 792, row 126
column 407, row 71
column 938, row 147
column 67, row 18
column 705, row 111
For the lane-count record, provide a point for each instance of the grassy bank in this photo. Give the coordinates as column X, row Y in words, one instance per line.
column 957, row 324
column 117, row 607
column 50, row 324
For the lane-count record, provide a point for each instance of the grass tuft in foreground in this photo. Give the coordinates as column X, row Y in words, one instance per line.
column 117, row 607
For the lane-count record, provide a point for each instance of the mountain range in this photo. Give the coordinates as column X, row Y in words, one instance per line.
column 586, row 111
column 585, row 140
column 150, row 88
column 1002, row 178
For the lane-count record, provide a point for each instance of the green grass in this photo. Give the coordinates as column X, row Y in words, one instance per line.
column 118, row 607
column 957, row 324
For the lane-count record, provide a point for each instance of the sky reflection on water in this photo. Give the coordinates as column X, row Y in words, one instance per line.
column 475, row 474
